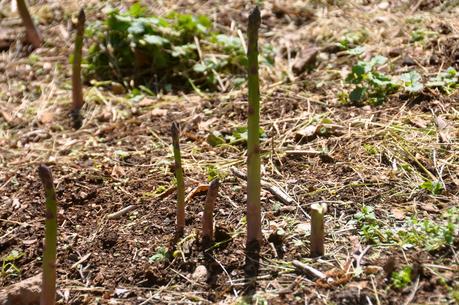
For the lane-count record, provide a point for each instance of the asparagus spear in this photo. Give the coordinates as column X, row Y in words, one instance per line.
column 175, row 129
column 253, row 142
column 33, row 36
column 77, row 89
column 48, row 296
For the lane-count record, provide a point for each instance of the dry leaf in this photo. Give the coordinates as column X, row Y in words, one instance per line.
column 146, row 102
column 159, row 112
column 429, row 207
column 46, row 117
column 398, row 213
column 197, row 190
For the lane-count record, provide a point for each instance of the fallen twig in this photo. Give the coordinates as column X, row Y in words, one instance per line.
column 280, row 194
column 309, row 270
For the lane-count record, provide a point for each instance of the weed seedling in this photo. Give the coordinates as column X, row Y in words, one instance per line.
column 77, row 89
column 253, row 140
column 402, row 278
column 33, row 36
column 48, row 294
column 175, row 130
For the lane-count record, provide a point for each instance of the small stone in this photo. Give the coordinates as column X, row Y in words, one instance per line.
column 47, row 66
column 384, row 5
column 303, row 229
column 200, row 274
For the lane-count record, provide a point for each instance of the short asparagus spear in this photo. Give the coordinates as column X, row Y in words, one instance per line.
column 77, row 89
column 208, row 216
column 253, row 142
column 317, row 229
column 175, row 129
column 33, row 36
column 48, row 294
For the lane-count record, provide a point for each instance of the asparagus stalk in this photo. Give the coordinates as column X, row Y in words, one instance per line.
column 253, row 142
column 33, row 36
column 207, row 218
column 48, row 294
column 175, row 129
column 77, row 89
column 317, row 229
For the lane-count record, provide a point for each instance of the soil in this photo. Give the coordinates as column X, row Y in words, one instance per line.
column 122, row 156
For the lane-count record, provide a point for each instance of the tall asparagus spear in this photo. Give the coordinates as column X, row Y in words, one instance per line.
column 208, row 216
column 175, row 129
column 253, row 142
column 48, row 294
column 77, row 89
column 33, row 36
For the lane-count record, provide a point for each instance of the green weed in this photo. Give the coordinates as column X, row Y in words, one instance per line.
column 8, row 264
column 434, row 187
column 402, row 278
column 414, row 232
column 161, row 255
column 370, row 84
column 447, row 81
column 171, row 52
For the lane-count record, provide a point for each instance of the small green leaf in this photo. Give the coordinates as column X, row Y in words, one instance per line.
column 137, row 10
column 155, row 40
column 215, row 138
column 357, row 94
column 435, row 187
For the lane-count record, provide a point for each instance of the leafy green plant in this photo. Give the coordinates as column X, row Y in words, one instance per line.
column 369, row 226
column 434, row 187
column 8, row 264
column 175, row 52
column 447, row 80
column 428, row 234
column 412, row 81
column 370, row 84
column 161, row 255
column 400, row 279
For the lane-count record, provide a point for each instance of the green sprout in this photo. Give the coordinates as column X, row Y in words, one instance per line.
column 48, row 296
column 253, row 140
column 175, row 130
column 77, row 89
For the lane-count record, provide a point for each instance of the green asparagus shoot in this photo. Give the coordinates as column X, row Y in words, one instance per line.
column 33, row 36
column 175, row 129
column 48, row 296
column 253, row 142
column 77, row 89
column 207, row 218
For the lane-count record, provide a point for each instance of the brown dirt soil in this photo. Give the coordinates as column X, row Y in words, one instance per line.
column 373, row 156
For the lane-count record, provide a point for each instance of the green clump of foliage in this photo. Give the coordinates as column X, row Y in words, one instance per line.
column 447, row 80
column 161, row 255
column 172, row 52
column 8, row 264
column 428, row 234
column 400, row 279
column 434, row 187
column 370, row 84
